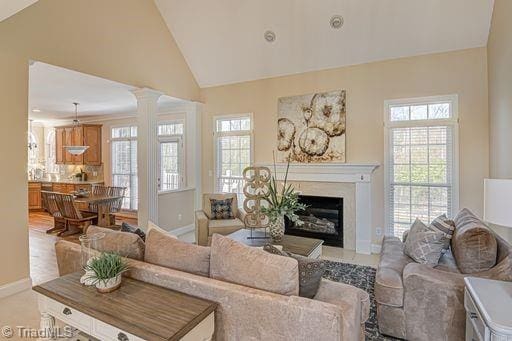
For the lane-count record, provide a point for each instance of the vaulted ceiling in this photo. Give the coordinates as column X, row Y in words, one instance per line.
column 11, row 7
column 223, row 40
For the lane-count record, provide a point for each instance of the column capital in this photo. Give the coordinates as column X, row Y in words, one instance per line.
column 146, row 93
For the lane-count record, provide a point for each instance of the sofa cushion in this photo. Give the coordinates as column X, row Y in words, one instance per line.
column 423, row 245
column 310, row 271
column 473, row 244
column 153, row 226
column 389, row 287
column 224, row 226
column 207, row 208
column 235, row 262
column 124, row 243
column 447, row 263
column 166, row 250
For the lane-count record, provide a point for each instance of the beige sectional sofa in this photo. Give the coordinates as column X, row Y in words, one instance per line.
column 337, row 312
column 419, row 302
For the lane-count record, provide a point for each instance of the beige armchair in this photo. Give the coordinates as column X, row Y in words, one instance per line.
column 205, row 227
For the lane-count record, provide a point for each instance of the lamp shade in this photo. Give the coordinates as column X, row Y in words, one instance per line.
column 498, row 201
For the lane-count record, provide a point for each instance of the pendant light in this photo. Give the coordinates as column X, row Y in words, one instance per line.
column 76, row 150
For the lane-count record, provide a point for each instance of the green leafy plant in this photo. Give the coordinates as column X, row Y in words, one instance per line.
column 282, row 199
column 106, row 266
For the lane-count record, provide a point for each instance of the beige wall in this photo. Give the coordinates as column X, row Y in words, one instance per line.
column 123, row 40
column 368, row 86
column 499, row 50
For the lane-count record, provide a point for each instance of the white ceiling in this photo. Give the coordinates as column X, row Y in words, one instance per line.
column 11, row 7
column 53, row 90
column 222, row 40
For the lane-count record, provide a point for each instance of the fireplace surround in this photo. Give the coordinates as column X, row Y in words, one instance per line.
column 338, row 180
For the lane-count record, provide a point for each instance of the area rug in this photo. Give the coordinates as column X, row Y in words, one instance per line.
column 362, row 277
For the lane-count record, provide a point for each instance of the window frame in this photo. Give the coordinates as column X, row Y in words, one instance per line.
column 452, row 122
column 180, row 138
column 134, row 202
column 217, row 135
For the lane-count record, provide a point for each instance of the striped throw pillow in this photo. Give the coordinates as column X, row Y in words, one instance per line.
column 444, row 225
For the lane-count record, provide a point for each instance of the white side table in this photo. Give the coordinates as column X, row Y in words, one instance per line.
column 488, row 306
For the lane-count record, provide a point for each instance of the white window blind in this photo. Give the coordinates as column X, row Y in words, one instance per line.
column 232, row 138
column 420, row 161
column 124, row 163
column 170, row 136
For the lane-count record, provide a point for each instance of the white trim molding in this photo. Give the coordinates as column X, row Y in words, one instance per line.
column 360, row 174
column 180, row 231
column 15, row 287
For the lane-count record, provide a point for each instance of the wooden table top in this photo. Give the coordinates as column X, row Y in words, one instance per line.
column 142, row 309
column 96, row 198
column 297, row 245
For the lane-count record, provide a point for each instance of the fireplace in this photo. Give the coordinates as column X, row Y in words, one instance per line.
column 323, row 219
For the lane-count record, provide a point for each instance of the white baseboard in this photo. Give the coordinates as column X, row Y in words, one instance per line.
column 15, row 287
column 376, row 248
column 183, row 230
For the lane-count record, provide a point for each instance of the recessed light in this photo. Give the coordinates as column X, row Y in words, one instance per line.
column 36, row 110
column 336, row 21
column 269, row 36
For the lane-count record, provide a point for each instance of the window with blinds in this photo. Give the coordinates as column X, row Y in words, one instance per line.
column 233, row 150
column 170, row 136
column 124, row 163
column 420, row 161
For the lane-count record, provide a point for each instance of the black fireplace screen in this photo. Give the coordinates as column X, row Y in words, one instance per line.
column 322, row 219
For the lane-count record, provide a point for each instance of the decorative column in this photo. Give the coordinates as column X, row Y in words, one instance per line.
column 147, row 155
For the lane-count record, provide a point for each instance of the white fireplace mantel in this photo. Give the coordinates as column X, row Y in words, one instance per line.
column 360, row 174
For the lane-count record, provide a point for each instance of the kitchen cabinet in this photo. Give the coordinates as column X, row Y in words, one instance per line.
column 59, row 143
column 92, row 137
column 34, row 196
column 82, row 135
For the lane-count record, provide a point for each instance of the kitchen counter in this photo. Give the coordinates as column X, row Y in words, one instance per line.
column 68, row 182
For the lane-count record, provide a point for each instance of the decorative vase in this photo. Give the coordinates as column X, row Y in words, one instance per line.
column 89, row 243
column 276, row 229
column 109, row 285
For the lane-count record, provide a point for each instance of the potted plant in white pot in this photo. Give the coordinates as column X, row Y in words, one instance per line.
column 283, row 201
column 106, row 271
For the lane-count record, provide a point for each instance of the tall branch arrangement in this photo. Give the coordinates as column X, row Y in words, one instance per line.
column 282, row 200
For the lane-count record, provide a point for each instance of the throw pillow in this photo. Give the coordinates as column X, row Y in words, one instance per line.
column 153, row 226
column 474, row 245
column 124, row 243
column 221, row 209
column 235, row 262
column 423, row 245
column 125, row 227
column 310, row 271
column 166, row 250
column 444, row 225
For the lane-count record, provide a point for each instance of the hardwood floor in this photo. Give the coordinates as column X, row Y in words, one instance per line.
column 43, row 263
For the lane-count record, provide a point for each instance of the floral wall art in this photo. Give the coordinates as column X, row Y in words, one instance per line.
column 311, row 128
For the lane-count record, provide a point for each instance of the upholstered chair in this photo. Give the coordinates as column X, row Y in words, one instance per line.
column 206, row 227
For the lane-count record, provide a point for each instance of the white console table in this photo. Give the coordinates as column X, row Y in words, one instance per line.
column 136, row 311
column 488, row 306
